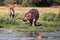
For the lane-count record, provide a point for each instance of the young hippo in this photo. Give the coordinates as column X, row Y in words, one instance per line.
column 32, row 16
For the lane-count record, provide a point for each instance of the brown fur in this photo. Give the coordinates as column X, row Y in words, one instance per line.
column 11, row 9
column 32, row 16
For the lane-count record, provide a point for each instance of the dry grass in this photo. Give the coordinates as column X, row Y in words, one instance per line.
column 4, row 10
column 40, row 9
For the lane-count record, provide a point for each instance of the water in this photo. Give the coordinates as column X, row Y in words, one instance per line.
column 25, row 36
column 51, row 35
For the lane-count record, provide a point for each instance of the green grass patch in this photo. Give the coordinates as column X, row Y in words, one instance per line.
column 47, row 22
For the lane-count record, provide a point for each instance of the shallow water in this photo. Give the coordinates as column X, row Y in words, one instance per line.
column 51, row 35
column 24, row 36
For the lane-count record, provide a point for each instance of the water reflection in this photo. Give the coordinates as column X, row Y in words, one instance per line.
column 29, row 35
column 37, row 35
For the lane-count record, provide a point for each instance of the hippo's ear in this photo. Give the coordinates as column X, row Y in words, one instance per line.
column 28, row 15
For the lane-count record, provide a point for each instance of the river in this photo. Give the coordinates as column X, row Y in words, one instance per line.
column 25, row 35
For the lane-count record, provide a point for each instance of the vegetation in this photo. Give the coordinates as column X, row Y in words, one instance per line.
column 46, row 22
column 31, row 2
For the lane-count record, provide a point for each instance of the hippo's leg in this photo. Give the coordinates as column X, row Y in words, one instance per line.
column 30, row 23
column 34, row 22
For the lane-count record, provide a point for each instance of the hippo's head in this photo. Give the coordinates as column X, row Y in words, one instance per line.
column 27, row 17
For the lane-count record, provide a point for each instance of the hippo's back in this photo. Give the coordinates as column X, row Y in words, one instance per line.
column 35, row 13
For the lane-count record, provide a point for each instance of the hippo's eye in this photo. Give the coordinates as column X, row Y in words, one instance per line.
column 28, row 16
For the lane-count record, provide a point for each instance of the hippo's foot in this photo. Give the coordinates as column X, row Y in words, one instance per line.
column 33, row 25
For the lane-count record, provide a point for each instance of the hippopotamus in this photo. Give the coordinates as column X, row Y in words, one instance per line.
column 32, row 16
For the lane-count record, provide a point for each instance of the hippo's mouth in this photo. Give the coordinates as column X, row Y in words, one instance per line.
column 25, row 20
